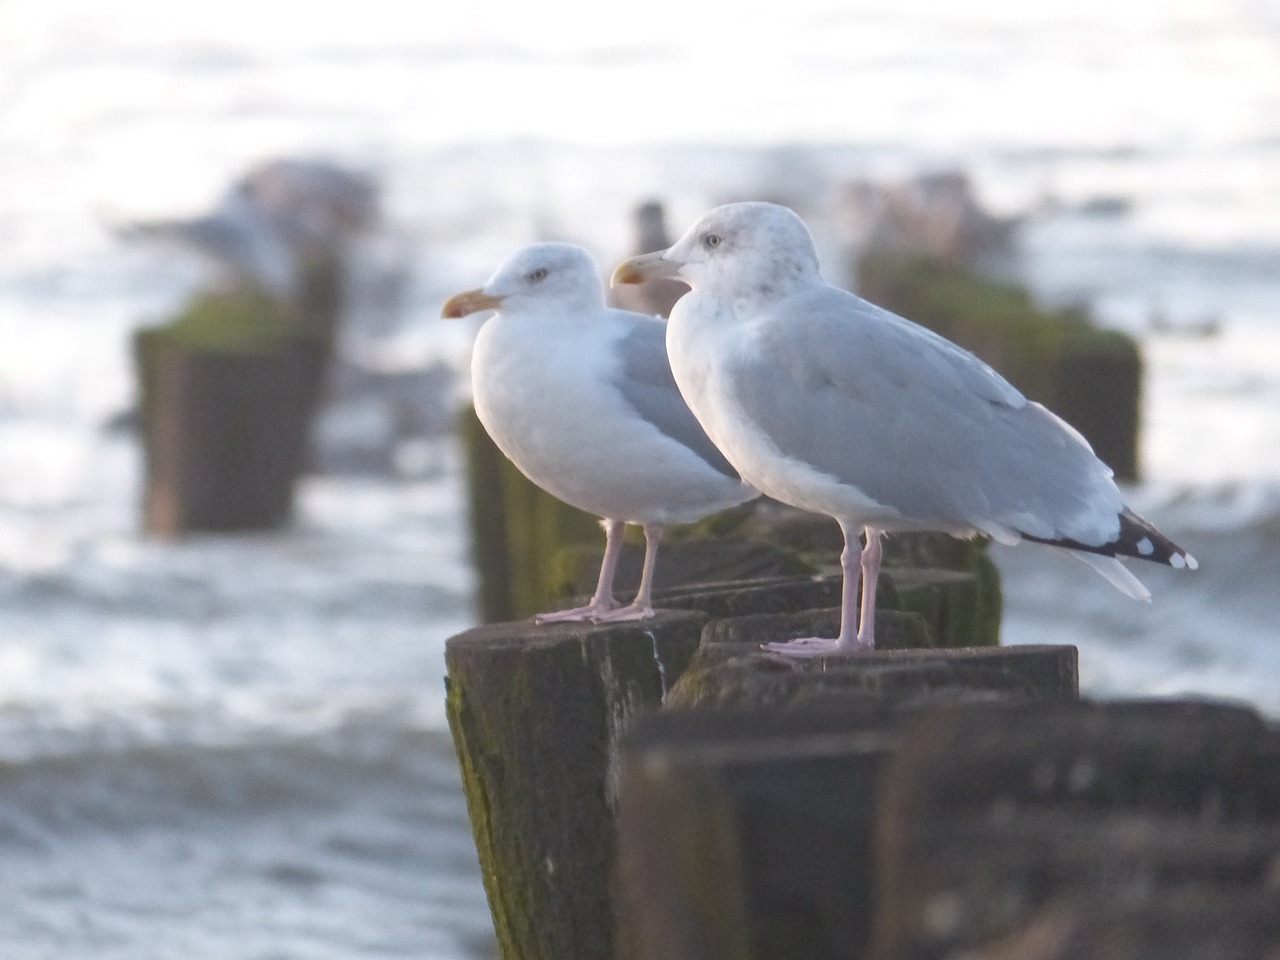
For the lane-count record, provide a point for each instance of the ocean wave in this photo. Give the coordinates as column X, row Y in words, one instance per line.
column 369, row 760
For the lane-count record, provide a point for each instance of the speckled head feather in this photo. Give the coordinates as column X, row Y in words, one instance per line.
column 559, row 274
column 754, row 254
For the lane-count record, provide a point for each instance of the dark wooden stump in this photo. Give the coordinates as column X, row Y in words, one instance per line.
column 948, row 601
column 535, row 714
column 729, row 669
column 762, row 595
column 991, row 815
column 1099, row 391
column 748, row 832
column 225, row 433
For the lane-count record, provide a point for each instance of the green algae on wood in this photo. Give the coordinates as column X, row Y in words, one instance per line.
column 685, row 562
column 962, row 611
column 227, row 392
column 236, row 322
column 536, row 713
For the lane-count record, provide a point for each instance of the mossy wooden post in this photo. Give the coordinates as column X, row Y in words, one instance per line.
column 535, row 714
column 1099, row 384
column 745, row 831
column 227, row 391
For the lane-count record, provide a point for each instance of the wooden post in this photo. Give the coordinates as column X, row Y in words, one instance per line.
column 993, row 818
column 747, row 833
column 535, row 714
column 1099, row 390
column 227, row 391
column 225, row 433
column 729, row 670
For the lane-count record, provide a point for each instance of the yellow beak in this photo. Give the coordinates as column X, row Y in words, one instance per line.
column 464, row 304
column 649, row 266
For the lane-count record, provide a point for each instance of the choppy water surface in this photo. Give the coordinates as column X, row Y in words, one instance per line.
column 235, row 746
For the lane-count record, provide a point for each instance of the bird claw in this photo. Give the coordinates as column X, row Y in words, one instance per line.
column 622, row 614
column 808, row 648
column 577, row 615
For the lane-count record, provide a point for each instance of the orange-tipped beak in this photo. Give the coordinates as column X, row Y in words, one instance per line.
column 465, row 304
column 649, row 266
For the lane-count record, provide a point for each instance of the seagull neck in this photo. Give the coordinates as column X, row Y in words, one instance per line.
column 768, row 287
column 570, row 315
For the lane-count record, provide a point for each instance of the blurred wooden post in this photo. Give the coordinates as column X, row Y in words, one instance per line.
column 536, row 713
column 227, row 393
column 997, row 819
column 224, row 434
column 1099, row 391
column 746, row 831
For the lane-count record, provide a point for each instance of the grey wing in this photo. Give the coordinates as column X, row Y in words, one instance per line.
column 917, row 423
column 644, row 379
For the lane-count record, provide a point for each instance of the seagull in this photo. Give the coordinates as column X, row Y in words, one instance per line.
column 580, row 397
column 830, row 403
column 274, row 224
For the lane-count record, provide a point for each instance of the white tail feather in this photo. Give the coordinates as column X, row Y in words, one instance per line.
column 1115, row 573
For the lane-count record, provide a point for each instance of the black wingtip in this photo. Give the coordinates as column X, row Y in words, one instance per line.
column 1138, row 539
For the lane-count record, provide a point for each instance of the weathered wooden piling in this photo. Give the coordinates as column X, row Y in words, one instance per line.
column 535, row 714
column 996, row 820
column 227, row 393
column 747, row 832
column 684, row 562
column 735, row 674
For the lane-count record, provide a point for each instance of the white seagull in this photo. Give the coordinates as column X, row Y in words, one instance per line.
column 827, row 402
column 580, row 397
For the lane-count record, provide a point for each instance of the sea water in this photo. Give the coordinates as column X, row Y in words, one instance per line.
column 234, row 746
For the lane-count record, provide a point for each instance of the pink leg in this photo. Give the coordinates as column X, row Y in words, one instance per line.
column 854, row 564
column 871, row 555
column 641, row 608
column 602, row 602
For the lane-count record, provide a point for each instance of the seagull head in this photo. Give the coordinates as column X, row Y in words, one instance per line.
column 557, row 276
column 741, row 251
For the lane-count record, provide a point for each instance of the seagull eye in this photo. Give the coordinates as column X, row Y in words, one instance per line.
column 538, row 275
column 712, row 239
